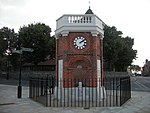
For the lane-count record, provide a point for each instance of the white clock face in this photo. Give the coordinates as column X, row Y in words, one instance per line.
column 79, row 42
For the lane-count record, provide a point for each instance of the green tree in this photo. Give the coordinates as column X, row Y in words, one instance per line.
column 118, row 52
column 2, row 63
column 7, row 34
column 36, row 36
column 125, row 54
column 52, row 47
column 111, row 35
column 135, row 67
column 7, row 41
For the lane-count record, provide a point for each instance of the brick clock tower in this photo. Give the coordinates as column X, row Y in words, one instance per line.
column 79, row 51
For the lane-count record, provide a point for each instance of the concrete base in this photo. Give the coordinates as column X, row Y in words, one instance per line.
column 80, row 93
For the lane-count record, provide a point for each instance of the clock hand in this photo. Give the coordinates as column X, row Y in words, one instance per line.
column 82, row 41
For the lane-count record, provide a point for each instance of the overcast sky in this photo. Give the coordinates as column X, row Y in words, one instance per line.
column 132, row 17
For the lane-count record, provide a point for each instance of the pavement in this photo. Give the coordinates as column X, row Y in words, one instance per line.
column 9, row 103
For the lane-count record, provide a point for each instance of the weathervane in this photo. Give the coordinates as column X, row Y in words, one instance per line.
column 89, row 4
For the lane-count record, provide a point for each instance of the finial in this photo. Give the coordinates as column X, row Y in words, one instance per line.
column 89, row 4
column 89, row 11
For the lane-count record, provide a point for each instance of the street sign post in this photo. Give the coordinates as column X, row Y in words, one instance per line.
column 20, row 52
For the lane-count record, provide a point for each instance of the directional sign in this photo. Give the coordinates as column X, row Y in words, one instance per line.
column 17, row 51
column 27, row 49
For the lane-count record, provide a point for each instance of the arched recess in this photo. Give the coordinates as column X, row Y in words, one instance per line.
column 80, row 67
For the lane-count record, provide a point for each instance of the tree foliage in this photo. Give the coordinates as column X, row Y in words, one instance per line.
column 36, row 36
column 6, row 34
column 52, row 47
column 118, row 52
column 135, row 67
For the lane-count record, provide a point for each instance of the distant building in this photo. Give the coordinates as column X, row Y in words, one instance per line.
column 146, row 68
column 48, row 65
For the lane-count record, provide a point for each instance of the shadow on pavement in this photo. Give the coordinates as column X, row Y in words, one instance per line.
column 13, row 82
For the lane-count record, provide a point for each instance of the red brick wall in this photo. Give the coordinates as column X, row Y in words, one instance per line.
column 79, row 64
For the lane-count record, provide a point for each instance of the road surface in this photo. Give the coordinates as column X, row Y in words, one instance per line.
column 140, row 83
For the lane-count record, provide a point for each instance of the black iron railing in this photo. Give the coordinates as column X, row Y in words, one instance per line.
column 125, row 90
column 80, row 92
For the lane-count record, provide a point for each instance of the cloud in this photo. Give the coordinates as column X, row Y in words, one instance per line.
column 11, row 13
